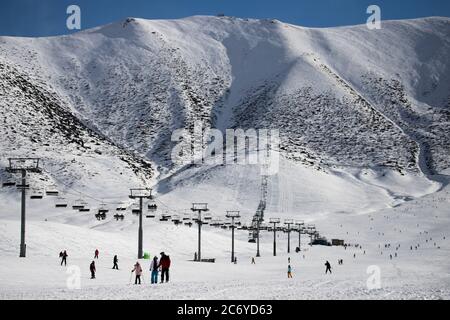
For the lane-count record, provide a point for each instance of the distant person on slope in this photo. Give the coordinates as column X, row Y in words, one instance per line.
column 63, row 256
column 115, row 261
column 253, row 260
column 328, row 267
column 164, row 263
column 138, row 271
column 154, row 269
column 92, row 268
column 289, row 271
column 96, row 254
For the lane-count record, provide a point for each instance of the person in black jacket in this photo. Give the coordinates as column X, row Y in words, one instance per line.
column 115, row 261
column 92, row 268
column 328, row 267
column 164, row 263
column 63, row 256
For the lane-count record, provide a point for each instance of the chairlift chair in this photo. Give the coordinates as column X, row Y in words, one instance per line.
column 119, row 217
column 36, row 194
column 61, row 203
column 8, row 184
column 103, row 209
column 152, row 207
column 78, row 204
column 135, row 209
column 52, row 191
column 121, row 207
column 85, row 207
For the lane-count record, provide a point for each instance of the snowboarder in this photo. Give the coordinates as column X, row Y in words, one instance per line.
column 154, row 270
column 63, row 256
column 328, row 267
column 115, row 261
column 92, row 268
column 289, row 271
column 253, row 260
column 164, row 263
column 96, row 254
column 138, row 271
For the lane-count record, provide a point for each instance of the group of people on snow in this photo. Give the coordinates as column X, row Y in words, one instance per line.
column 162, row 264
column 157, row 265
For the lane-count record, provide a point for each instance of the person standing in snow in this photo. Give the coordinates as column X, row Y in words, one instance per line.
column 289, row 271
column 328, row 267
column 96, row 254
column 92, row 268
column 138, row 271
column 63, row 256
column 253, row 260
column 164, row 263
column 154, row 269
column 115, row 261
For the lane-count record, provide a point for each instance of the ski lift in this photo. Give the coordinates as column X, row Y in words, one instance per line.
column 9, row 184
column 189, row 224
column 224, row 226
column 121, row 207
column 152, row 207
column 150, row 216
column 135, row 209
column 78, row 204
column 176, row 220
column 52, row 191
column 119, row 217
column 36, row 194
column 207, row 217
column 103, row 209
column 85, row 207
column 100, row 216
column 61, row 203
column 163, row 218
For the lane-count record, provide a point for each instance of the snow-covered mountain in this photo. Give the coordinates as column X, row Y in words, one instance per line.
column 344, row 97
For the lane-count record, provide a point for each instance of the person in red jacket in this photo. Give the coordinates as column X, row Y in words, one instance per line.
column 164, row 263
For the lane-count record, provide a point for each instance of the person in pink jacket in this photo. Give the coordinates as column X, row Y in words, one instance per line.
column 138, row 271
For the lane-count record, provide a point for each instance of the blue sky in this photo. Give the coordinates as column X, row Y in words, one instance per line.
column 48, row 17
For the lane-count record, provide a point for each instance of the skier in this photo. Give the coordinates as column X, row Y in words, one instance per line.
column 154, row 270
column 63, row 256
column 289, row 271
column 138, row 270
column 96, row 254
column 115, row 261
column 328, row 267
column 164, row 263
column 235, row 260
column 253, row 260
column 289, row 259
column 92, row 268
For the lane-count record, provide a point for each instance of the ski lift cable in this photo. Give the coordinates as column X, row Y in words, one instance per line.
column 77, row 191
